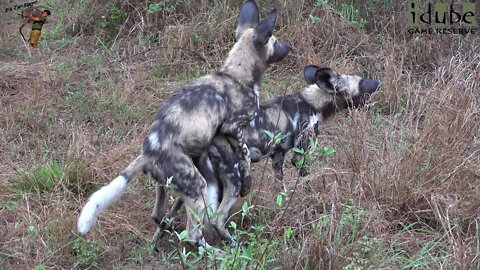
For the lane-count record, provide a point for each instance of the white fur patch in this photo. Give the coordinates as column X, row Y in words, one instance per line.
column 256, row 89
column 153, row 140
column 271, row 46
column 312, row 87
column 246, row 151
column 252, row 123
column 294, row 121
column 209, row 164
column 99, row 201
column 237, row 171
column 352, row 83
column 313, row 120
column 212, row 197
column 219, row 97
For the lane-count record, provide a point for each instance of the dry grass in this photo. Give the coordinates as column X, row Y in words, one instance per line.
column 400, row 192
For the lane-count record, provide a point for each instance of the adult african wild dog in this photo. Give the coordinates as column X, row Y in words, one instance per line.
column 295, row 115
column 220, row 103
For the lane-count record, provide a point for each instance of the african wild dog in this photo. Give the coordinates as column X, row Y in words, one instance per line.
column 295, row 115
column 298, row 115
column 219, row 103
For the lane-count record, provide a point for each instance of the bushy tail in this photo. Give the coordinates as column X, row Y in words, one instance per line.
column 106, row 196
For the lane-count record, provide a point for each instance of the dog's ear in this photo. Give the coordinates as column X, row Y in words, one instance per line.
column 324, row 78
column 309, row 74
column 264, row 30
column 247, row 18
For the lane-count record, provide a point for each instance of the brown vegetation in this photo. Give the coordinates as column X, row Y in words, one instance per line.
column 401, row 191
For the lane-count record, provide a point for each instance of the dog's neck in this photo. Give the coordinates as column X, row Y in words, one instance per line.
column 321, row 101
column 244, row 62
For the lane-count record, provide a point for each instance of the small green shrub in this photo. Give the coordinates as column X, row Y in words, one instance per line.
column 40, row 179
column 86, row 252
column 351, row 15
column 39, row 267
column 320, row 3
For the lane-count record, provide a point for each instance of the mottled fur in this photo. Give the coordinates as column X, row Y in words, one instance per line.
column 221, row 103
column 295, row 115
column 298, row 115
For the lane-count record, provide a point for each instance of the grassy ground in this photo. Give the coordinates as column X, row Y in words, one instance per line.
column 401, row 191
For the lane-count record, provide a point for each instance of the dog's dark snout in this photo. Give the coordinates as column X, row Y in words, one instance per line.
column 369, row 86
column 281, row 50
column 285, row 49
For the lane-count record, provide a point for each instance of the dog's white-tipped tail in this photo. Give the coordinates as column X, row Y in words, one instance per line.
column 107, row 195
column 99, row 201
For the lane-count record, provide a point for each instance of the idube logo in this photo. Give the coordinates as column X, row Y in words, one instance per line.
column 441, row 18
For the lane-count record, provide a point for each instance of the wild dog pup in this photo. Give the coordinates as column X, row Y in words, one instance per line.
column 219, row 103
column 296, row 115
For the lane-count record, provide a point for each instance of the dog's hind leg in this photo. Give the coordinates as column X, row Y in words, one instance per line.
column 160, row 199
column 230, row 196
column 167, row 222
column 205, row 167
column 192, row 188
column 158, row 213
column 195, row 218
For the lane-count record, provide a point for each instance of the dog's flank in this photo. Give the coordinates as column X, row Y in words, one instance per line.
column 185, row 125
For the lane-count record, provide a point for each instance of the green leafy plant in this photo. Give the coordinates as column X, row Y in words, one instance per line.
column 39, row 267
column 40, row 179
column 165, row 6
column 313, row 19
column 32, row 229
column 275, row 138
column 313, row 152
column 86, row 252
column 245, row 253
column 320, row 3
column 250, row 250
column 116, row 13
column 281, row 196
column 351, row 15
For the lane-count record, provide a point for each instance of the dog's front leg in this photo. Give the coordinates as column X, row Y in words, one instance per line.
column 277, row 164
column 225, row 166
